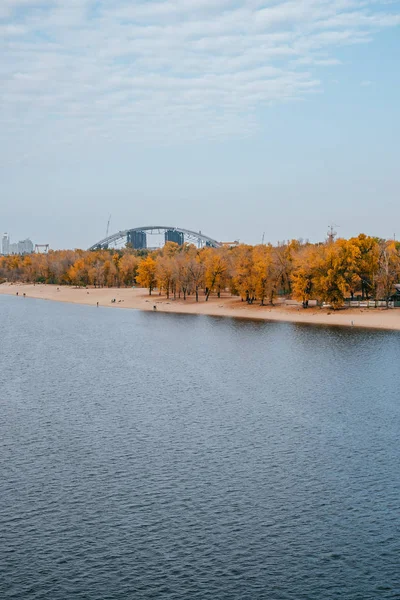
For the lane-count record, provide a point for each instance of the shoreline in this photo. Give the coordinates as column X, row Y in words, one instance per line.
column 226, row 306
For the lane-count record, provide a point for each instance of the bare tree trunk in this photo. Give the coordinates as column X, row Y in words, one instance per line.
column 209, row 289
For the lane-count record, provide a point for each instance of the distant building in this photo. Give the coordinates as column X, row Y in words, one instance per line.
column 174, row 236
column 138, row 239
column 25, row 247
column 5, row 244
column 230, row 244
column 22, row 247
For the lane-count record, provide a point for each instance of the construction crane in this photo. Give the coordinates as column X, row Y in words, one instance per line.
column 108, row 225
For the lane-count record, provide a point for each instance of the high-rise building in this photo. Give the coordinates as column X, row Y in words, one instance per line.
column 138, row 239
column 22, row 247
column 174, row 236
column 25, row 247
column 5, row 244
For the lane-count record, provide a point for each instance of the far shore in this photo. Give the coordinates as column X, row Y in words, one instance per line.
column 226, row 306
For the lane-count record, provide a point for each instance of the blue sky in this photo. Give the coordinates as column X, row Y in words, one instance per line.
column 236, row 117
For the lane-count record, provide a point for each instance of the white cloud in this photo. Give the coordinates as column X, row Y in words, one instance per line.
column 165, row 70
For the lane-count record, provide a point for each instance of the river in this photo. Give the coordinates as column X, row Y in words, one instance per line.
column 155, row 456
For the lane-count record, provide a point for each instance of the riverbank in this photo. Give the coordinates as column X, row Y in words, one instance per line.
column 227, row 306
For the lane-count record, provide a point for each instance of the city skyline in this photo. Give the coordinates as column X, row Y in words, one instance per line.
column 158, row 239
column 21, row 247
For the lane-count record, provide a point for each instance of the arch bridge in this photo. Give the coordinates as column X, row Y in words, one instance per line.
column 137, row 236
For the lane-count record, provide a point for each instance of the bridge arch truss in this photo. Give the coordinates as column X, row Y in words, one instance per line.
column 122, row 237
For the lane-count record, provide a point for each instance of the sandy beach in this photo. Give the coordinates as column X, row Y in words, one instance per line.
column 226, row 306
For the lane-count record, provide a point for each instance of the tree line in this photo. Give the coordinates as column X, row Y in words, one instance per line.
column 362, row 266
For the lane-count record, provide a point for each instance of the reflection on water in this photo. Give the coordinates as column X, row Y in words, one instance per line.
column 146, row 455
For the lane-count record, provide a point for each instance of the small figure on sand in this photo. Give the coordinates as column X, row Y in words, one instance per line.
column 154, row 307
column 97, row 305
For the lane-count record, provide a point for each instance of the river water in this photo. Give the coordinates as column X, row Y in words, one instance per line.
column 154, row 456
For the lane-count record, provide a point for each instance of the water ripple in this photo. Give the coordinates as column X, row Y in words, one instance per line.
column 164, row 456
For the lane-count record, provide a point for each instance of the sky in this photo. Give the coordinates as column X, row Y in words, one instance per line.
column 234, row 117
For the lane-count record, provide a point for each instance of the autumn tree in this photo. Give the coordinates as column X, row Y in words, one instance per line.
column 196, row 271
column 244, row 276
column 110, row 272
column 78, row 273
column 171, row 249
column 334, row 273
column 146, row 273
column 216, row 268
column 282, row 258
column 366, row 254
column 128, row 268
column 164, row 273
column 326, row 272
column 265, row 275
column 389, row 269
column 181, row 274
column 96, row 273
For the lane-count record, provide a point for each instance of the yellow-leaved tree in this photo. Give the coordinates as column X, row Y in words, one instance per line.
column 389, row 269
column 146, row 274
column 216, row 268
column 264, row 273
column 164, row 273
column 128, row 266
column 334, row 273
column 244, row 278
column 196, row 270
